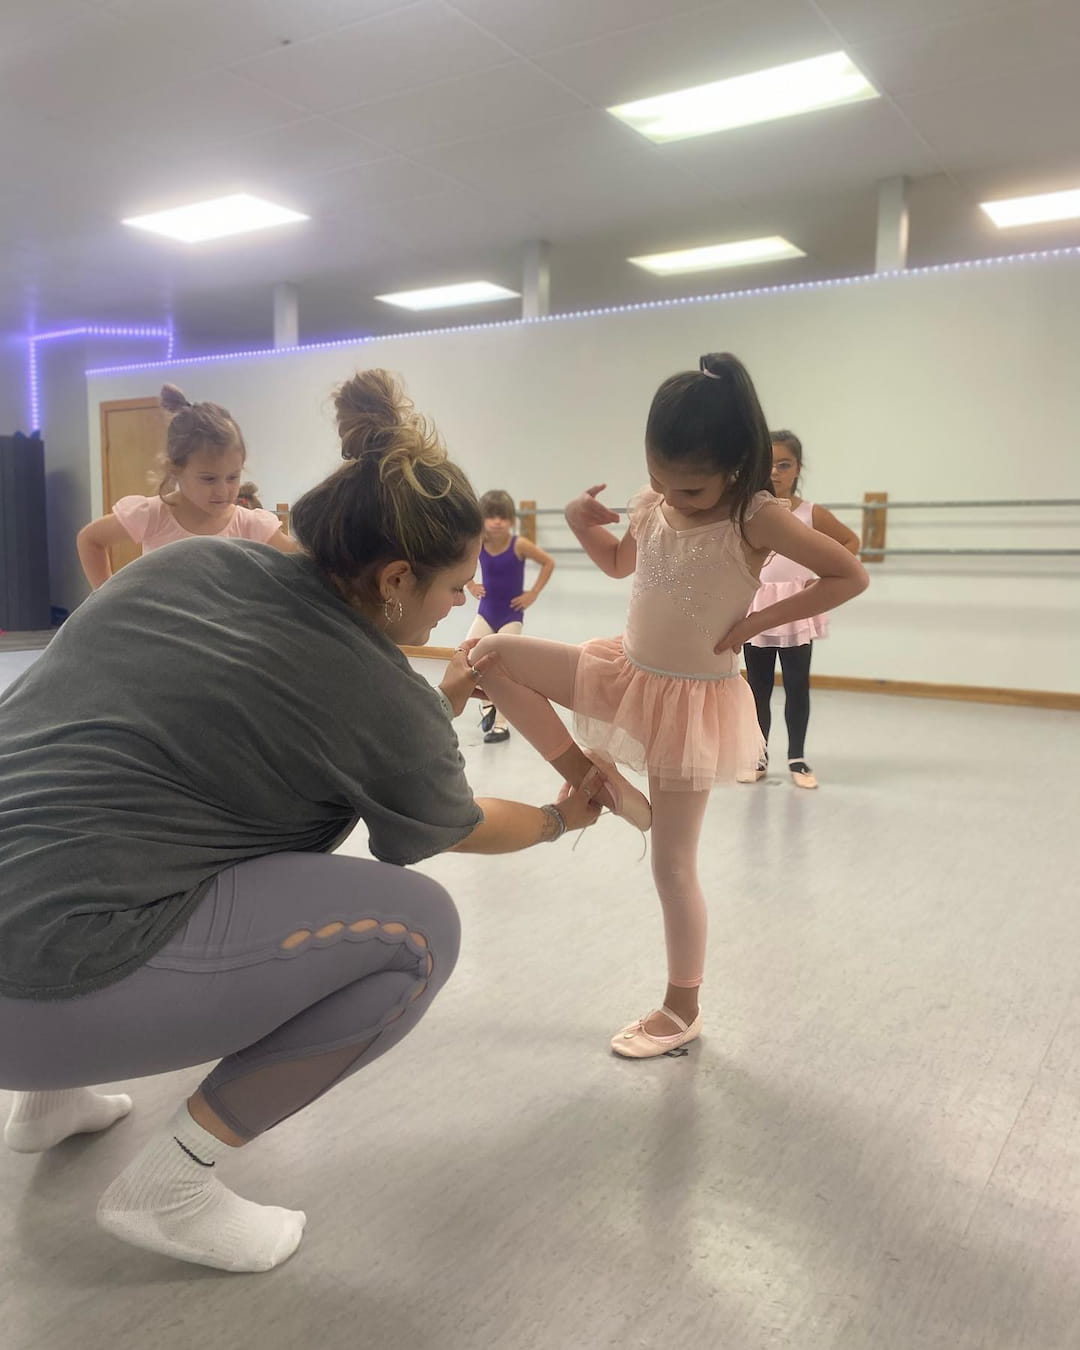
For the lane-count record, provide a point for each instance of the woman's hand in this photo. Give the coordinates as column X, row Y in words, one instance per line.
column 585, row 510
column 462, row 679
column 577, row 810
column 734, row 638
column 524, row 600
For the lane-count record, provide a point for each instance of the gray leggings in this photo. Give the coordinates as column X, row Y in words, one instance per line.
column 296, row 970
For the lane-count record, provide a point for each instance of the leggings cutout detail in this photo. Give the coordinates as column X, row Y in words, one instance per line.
column 288, row 1018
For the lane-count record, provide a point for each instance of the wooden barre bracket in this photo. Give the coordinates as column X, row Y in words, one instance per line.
column 873, row 525
column 527, row 519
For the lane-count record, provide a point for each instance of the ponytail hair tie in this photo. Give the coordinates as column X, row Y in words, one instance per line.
column 712, row 374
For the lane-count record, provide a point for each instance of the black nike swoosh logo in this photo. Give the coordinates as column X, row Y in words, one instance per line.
column 192, row 1155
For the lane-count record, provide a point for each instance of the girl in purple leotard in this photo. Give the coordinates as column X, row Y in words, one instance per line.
column 501, row 589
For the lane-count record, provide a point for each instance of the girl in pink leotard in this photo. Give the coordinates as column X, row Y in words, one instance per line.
column 666, row 696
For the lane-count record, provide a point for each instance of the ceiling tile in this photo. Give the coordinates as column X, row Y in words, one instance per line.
column 565, row 149
column 532, row 28
column 571, row 174
column 1005, row 121
column 366, row 186
column 417, row 45
column 456, row 222
column 1000, row 43
column 196, row 115
column 690, row 49
column 835, row 147
column 292, row 253
column 505, row 97
column 290, row 154
column 224, row 31
column 94, row 58
column 23, row 20
column 860, row 21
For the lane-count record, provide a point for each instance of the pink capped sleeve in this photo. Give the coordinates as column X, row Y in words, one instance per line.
column 134, row 513
column 642, row 505
column 259, row 525
column 761, row 499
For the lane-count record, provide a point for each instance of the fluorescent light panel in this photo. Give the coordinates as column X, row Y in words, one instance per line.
column 1034, row 210
column 765, row 96
column 215, row 219
column 448, row 297
column 739, row 253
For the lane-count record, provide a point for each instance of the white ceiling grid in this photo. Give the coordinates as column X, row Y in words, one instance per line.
column 430, row 139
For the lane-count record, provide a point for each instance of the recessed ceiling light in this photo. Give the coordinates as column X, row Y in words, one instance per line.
column 739, row 253
column 781, row 91
column 1033, row 210
column 447, row 297
column 214, row 219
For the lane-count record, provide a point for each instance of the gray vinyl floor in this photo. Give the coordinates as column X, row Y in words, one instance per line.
column 875, row 1146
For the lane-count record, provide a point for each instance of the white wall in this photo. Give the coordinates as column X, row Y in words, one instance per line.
column 934, row 385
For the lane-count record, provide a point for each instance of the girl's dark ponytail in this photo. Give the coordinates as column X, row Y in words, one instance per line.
column 711, row 417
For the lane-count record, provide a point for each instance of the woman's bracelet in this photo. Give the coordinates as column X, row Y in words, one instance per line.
column 554, row 825
column 447, row 706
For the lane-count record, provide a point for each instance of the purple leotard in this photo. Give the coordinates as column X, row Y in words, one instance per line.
column 503, row 577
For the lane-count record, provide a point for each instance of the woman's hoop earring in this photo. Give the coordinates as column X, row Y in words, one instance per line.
column 388, row 612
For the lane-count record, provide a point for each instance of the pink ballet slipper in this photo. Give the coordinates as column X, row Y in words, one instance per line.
column 801, row 774
column 634, row 1042
column 604, row 783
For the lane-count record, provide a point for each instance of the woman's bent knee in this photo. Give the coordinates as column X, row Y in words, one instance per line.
column 433, row 917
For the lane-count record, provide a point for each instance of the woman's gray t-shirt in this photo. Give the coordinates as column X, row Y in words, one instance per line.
column 215, row 701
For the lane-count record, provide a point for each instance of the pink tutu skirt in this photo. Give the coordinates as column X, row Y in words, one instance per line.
column 795, row 634
column 689, row 733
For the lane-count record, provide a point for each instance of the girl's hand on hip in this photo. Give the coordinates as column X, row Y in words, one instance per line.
column 585, row 510
column 523, row 601
column 735, row 637
column 463, row 675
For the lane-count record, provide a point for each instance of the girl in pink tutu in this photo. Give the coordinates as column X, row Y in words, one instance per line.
column 792, row 642
column 666, row 697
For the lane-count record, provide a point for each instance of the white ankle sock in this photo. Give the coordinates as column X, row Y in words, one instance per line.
column 38, row 1120
column 169, row 1200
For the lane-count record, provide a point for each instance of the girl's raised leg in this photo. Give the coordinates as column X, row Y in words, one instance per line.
column 527, row 676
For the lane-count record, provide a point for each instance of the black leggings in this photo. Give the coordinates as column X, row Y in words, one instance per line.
column 795, row 665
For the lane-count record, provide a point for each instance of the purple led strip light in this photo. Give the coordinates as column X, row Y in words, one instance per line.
column 787, row 288
column 33, row 374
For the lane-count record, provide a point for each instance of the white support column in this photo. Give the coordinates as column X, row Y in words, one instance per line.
column 536, row 280
column 286, row 315
column 892, row 230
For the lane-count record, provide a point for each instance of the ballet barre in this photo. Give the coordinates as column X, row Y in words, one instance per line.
column 922, row 506
column 873, row 554
column 874, row 506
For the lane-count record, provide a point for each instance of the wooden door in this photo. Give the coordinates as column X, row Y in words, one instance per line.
column 132, row 443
